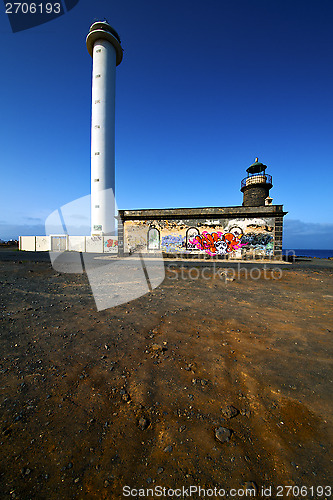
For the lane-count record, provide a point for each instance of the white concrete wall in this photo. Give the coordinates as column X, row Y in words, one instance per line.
column 110, row 244
column 43, row 243
column 98, row 244
column 28, row 243
column 77, row 243
column 94, row 244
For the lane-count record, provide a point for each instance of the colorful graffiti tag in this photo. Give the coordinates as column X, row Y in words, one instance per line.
column 111, row 245
column 173, row 243
column 259, row 241
column 218, row 243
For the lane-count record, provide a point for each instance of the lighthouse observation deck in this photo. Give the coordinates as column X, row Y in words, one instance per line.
column 257, row 179
column 101, row 30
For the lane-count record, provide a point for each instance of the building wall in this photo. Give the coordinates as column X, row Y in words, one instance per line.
column 235, row 237
column 77, row 243
column 62, row 243
column 42, row 244
column 27, row 243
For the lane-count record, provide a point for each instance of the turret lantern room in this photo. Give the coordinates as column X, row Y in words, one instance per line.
column 255, row 187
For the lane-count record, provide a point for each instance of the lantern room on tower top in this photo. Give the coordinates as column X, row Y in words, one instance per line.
column 255, row 187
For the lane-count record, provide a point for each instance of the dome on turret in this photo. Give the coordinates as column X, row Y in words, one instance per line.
column 256, row 167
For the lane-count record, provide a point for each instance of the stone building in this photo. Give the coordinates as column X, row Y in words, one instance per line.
column 253, row 230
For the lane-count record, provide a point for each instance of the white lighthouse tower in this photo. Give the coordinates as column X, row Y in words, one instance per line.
column 104, row 46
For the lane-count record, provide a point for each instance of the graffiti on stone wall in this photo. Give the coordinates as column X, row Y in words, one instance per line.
column 218, row 243
column 173, row 243
column 224, row 237
column 191, row 233
column 258, row 241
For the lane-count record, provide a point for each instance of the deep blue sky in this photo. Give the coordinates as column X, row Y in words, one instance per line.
column 204, row 88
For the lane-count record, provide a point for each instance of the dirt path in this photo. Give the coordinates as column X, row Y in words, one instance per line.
column 134, row 395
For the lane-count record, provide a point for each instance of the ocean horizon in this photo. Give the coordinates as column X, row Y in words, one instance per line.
column 306, row 252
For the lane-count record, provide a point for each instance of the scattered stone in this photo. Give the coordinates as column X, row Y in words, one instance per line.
column 126, row 397
column 107, row 347
column 223, row 434
column 168, row 449
column 76, row 480
column 156, row 347
column 160, row 470
column 106, row 483
column 143, row 423
column 229, row 411
column 190, row 367
column 182, row 428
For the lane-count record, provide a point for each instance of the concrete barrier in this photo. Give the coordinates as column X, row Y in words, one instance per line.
column 62, row 243
column 43, row 243
column 77, row 243
column 27, row 243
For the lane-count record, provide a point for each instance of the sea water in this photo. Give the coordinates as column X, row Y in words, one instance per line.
column 301, row 252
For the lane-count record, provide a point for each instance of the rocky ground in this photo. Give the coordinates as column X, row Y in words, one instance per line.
column 207, row 382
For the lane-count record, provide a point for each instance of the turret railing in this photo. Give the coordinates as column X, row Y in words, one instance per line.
column 256, row 179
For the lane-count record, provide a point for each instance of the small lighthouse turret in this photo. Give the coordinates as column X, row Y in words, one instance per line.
column 255, row 187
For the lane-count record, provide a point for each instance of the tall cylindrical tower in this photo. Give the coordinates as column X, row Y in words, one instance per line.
column 255, row 187
column 104, row 46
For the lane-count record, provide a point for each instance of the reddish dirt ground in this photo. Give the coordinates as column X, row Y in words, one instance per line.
column 133, row 395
